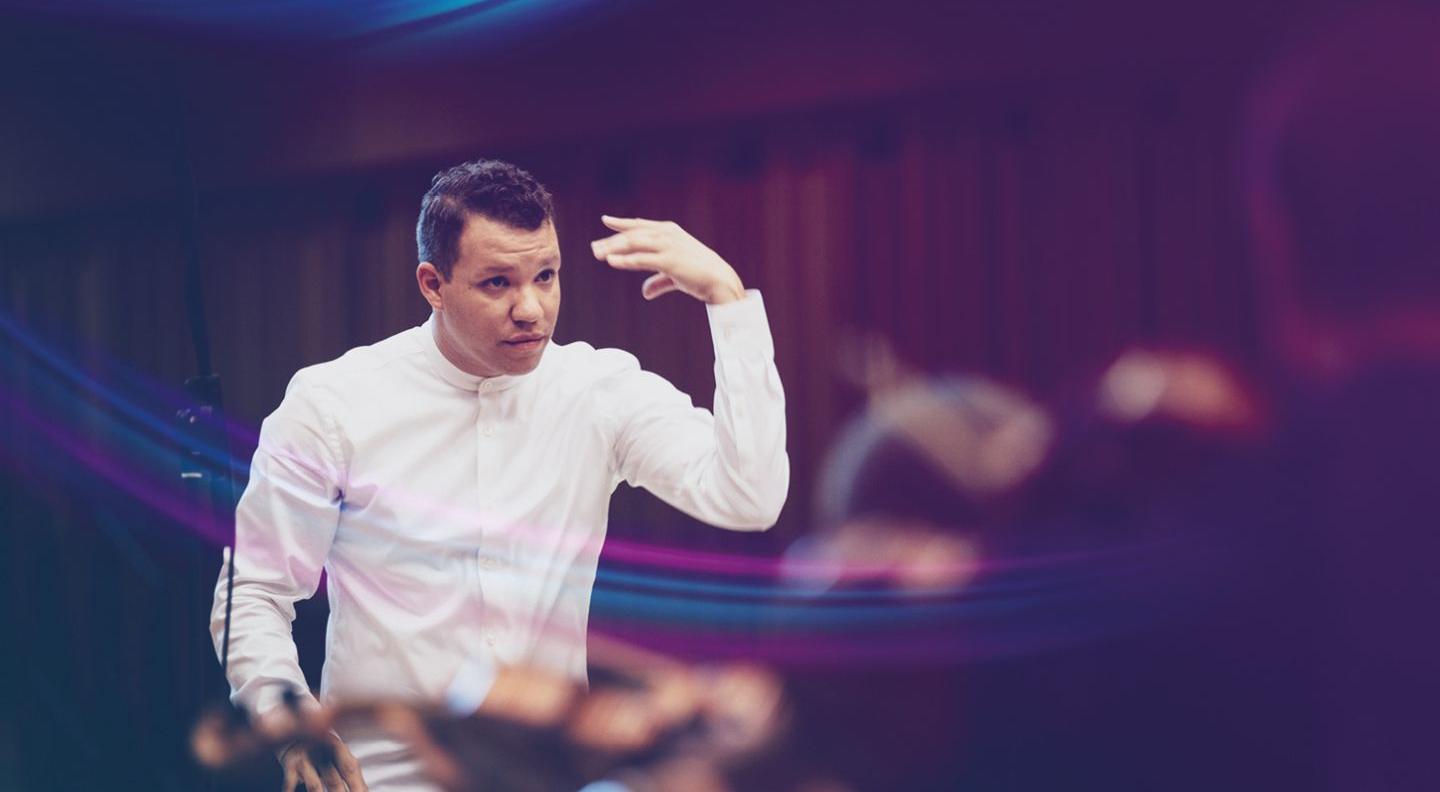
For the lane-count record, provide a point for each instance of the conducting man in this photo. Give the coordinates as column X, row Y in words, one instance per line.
column 454, row 479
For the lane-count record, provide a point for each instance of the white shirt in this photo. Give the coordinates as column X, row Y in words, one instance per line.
column 460, row 519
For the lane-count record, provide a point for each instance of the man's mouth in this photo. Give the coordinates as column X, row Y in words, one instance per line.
column 525, row 341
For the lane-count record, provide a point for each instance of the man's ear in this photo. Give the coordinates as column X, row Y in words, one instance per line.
column 428, row 278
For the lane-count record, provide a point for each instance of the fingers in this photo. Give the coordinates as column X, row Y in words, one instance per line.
column 333, row 782
column 657, row 285
column 300, row 771
column 310, row 777
column 640, row 240
column 349, row 768
column 682, row 262
column 354, row 780
column 635, row 261
column 623, row 223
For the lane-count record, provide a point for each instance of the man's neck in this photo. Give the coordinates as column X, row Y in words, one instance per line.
column 451, row 353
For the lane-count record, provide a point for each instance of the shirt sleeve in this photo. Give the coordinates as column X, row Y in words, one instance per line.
column 284, row 526
column 728, row 468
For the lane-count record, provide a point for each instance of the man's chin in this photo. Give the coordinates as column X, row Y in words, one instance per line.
column 521, row 359
column 514, row 371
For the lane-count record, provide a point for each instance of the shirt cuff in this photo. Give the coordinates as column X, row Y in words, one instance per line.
column 271, row 698
column 741, row 326
column 470, row 686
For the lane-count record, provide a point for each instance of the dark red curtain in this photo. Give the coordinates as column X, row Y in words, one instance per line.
column 1026, row 234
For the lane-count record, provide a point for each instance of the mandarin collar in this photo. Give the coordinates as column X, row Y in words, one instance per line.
column 460, row 378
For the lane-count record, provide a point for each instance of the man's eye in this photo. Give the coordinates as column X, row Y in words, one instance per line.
column 546, row 276
column 494, row 283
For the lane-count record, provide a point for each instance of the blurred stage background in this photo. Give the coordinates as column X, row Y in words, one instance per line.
column 1017, row 188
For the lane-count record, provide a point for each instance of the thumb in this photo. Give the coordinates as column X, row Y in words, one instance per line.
column 657, row 285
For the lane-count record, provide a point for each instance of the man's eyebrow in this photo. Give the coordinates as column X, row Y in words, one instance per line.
column 497, row 268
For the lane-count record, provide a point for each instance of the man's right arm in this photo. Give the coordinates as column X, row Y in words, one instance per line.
column 284, row 525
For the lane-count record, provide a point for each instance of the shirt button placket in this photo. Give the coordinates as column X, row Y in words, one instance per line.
column 482, row 454
column 484, row 431
column 484, row 425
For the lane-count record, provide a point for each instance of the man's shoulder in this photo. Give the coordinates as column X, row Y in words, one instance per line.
column 363, row 364
column 580, row 361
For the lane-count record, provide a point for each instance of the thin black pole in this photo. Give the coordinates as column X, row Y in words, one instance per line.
column 205, row 418
column 203, row 421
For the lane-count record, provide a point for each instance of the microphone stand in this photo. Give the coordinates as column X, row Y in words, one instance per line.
column 209, row 478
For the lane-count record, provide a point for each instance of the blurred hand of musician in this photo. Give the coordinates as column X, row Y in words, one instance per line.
column 695, row 720
column 679, row 261
column 536, row 729
column 910, row 555
column 1191, row 389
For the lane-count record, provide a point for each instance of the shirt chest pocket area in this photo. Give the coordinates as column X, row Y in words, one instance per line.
column 425, row 500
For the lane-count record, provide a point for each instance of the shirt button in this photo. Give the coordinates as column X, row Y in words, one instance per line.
column 488, row 431
column 489, row 562
column 490, row 639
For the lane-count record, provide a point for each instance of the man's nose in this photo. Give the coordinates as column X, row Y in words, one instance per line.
column 526, row 309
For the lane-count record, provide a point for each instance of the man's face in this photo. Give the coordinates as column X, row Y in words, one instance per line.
column 496, row 312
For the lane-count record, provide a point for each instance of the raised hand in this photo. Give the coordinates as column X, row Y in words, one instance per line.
column 680, row 261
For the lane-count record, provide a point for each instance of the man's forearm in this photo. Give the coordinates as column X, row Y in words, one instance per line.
column 263, row 661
